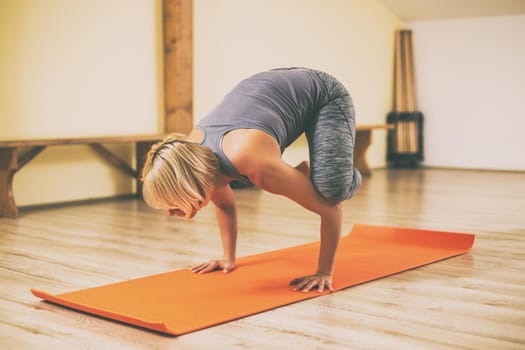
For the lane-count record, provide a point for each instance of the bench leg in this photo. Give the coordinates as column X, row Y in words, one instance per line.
column 8, row 167
column 363, row 139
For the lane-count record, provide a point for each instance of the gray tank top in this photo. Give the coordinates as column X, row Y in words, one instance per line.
column 279, row 102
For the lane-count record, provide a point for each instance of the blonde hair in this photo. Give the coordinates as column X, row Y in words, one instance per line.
column 178, row 174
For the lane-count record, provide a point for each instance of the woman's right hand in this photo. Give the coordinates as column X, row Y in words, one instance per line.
column 212, row 265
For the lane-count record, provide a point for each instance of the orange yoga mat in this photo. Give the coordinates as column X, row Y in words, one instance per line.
column 180, row 302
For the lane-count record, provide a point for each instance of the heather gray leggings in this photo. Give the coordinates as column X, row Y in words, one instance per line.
column 331, row 136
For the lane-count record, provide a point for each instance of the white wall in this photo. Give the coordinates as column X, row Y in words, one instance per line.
column 471, row 88
column 77, row 68
column 94, row 67
column 351, row 39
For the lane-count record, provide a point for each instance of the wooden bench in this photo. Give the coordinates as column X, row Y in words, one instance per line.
column 12, row 160
column 363, row 140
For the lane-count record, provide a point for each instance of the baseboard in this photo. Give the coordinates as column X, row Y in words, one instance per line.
column 33, row 207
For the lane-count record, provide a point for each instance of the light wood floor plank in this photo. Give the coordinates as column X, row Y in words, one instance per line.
column 473, row 301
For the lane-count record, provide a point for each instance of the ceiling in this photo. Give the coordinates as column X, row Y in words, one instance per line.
column 424, row 10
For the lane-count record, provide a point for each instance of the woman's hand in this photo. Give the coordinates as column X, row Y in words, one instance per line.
column 306, row 283
column 212, row 265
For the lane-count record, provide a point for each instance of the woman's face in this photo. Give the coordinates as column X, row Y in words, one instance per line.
column 181, row 213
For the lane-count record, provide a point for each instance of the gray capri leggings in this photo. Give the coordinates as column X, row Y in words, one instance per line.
column 331, row 136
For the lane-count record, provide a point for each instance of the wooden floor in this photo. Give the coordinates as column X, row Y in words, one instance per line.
column 474, row 301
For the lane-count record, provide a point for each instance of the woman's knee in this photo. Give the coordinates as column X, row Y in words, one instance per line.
column 338, row 190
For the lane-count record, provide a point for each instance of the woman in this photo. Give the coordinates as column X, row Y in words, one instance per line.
column 243, row 139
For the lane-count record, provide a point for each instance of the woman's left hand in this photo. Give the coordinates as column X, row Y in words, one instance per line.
column 319, row 280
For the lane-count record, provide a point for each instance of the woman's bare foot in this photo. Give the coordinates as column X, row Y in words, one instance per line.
column 304, row 167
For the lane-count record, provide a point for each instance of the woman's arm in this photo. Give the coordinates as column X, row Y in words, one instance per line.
column 226, row 213
column 225, row 210
column 281, row 178
column 260, row 160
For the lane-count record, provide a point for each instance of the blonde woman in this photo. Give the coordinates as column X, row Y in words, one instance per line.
column 243, row 139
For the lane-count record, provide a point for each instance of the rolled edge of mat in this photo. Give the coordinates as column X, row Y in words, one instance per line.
column 57, row 300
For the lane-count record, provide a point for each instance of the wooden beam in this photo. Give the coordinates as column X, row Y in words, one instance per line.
column 26, row 158
column 114, row 160
column 178, row 65
column 57, row 141
column 8, row 167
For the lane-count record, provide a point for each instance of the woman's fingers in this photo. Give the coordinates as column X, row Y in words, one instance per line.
column 197, row 268
column 212, row 266
column 306, row 283
column 321, row 285
column 204, row 267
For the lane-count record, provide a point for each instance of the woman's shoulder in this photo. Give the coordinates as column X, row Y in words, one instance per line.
column 196, row 135
column 249, row 150
column 249, row 143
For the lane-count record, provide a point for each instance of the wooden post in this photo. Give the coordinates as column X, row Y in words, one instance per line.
column 398, row 105
column 178, row 65
column 8, row 167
